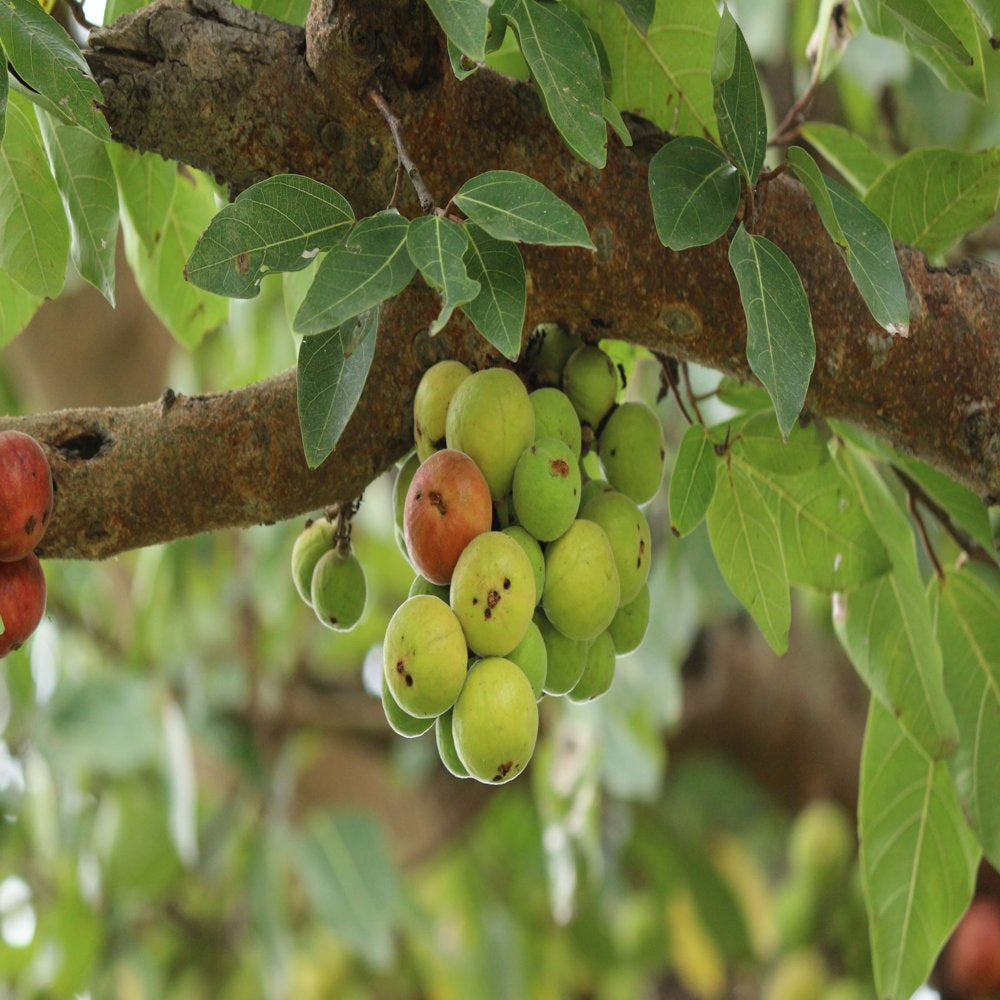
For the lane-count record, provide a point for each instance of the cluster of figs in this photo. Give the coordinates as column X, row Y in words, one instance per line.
column 25, row 507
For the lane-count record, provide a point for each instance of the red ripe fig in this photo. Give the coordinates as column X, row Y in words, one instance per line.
column 447, row 505
column 22, row 601
column 25, row 495
column 972, row 957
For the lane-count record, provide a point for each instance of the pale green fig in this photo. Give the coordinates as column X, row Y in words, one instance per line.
column 399, row 721
column 566, row 659
column 591, row 488
column 339, row 590
column 821, row 845
column 495, row 721
column 403, row 479
column 591, row 382
column 581, row 581
column 599, row 672
column 445, row 738
column 424, row 656
column 492, row 420
column 430, row 405
column 534, row 553
column 628, row 627
column 632, row 451
column 546, row 489
column 555, row 417
column 531, row 656
column 421, row 585
column 628, row 531
column 549, row 349
column 315, row 540
column 493, row 593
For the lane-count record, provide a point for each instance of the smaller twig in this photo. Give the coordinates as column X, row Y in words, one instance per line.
column 76, row 9
column 791, row 125
column 769, row 175
column 668, row 373
column 911, row 503
column 692, row 398
column 423, row 195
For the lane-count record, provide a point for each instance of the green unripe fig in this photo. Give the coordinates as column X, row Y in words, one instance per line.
column 495, row 721
column 549, row 350
column 531, row 656
column 430, row 405
column 820, row 845
column 628, row 627
column 492, row 420
column 628, row 531
column 546, row 489
column 581, row 581
column 599, row 672
column 796, row 913
column 799, row 975
column 315, row 540
column 556, row 418
column 534, row 553
column 421, row 585
column 399, row 721
column 445, row 738
column 403, row 479
column 632, row 451
column 591, row 488
column 493, row 593
column 566, row 659
column 424, row 656
column 591, row 382
column 339, row 590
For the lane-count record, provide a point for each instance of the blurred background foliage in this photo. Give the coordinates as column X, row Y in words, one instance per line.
column 200, row 797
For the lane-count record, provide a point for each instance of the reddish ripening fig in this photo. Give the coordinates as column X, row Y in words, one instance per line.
column 22, row 601
column 972, row 958
column 447, row 505
column 25, row 495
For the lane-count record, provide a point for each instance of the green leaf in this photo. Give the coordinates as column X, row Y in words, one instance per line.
column 759, row 441
column 90, row 197
column 188, row 312
column 918, row 858
column 289, row 11
column 34, row 237
column 4, row 89
column 805, row 168
column 746, row 396
column 146, row 184
column 931, row 198
column 967, row 615
column 640, row 13
column 332, row 371
column 279, row 224
column 349, row 877
column 498, row 309
column 694, row 190
column 923, row 22
column 692, row 482
column 457, row 59
column 512, row 206
column 747, row 548
column 739, row 106
column 437, row 245
column 372, row 266
column 846, row 152
column 465, row 23
column 828, row 541
column 663, row 73
column 781, row 348
column 564, row 65
column 614, row 118
column 48, row 60
column 988, row 12
column 17, row 306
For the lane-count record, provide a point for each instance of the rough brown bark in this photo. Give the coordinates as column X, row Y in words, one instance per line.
column 241, row 96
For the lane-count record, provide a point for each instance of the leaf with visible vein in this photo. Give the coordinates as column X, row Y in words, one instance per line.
column 465, row 23
column 847, row 153
column 918, row 857
column 331, row 377
column 692, row 481
column 437, row 246
column 146, row 184
column 17, row 306
column 498, row 310
column 923, row 22
column 758, row 440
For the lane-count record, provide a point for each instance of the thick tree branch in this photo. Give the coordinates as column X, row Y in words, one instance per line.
column 243, row 97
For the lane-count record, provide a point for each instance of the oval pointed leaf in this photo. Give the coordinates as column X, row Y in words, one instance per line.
column 692, row 482
column 437, row 245
column 512, row 206
column 465, row 23
column 17, row 306
column 89, row 194
column 758, row 441
column 563, row 61
column 781, row 347
column 988, row 13
column 47, row 59
column 923, row 22
column 694, row 190
column 846, row 152
column 331, row 377
column 279, row 224
column 34, row 236
column 918, row 857
column 739, row 106
column 146, row 184
column 372, row 266
column 747, row 548
column 968, row 614
column 808, row 172
column 498, row 309
column 640, row 13
column 4, row 90
column 931, row 198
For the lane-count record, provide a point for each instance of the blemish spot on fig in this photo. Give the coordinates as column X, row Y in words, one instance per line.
column 493, row 598
column 409, row 681
column 503, row 770
column 437, row 502
column 506, row 583
column 29, row 525
column 559, row 467
column 487, row 614
column 399, row 667
column 475, row 600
